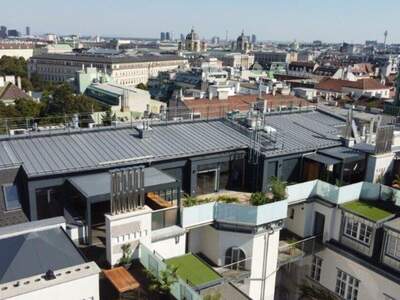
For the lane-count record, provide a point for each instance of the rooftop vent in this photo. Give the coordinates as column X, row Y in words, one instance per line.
column 49, row 275
column 144, row 129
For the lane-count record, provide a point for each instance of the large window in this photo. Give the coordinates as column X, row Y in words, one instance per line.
column 235, row 258
column 346, row 285
column 357, row 230
column 316, row 268
column 393, row 247
column 11, row 197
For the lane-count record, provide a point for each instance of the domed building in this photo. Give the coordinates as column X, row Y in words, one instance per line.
column 192, row 43
column 242, row 44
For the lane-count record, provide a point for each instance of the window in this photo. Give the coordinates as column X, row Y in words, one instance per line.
column 346, row 285
column 393, row 247
column 11, row 197
column 316, row 268
column 357, row 230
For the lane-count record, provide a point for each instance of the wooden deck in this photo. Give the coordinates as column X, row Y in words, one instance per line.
column 121, row 279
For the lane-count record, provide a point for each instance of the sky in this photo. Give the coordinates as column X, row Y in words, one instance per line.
column 275, row 20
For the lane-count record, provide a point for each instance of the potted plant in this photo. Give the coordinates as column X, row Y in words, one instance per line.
column 278, row 189
column 126, row 259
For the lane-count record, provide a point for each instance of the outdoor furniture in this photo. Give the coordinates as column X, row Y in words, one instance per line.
column 121, row 279
column 158, row 200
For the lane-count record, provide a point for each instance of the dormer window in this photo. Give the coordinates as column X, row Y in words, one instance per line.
column 393, row 246
column 357, row 230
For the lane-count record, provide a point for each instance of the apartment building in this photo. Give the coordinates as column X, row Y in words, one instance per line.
column 125, row 185
column 356, row 229
column 122, row 69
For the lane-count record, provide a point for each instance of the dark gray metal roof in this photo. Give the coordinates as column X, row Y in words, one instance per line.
column 326, row 160
column 344, row 153
column 97, row 187
column 93, row 149
column 49, row 154
column 35, row 253
column 301, row 132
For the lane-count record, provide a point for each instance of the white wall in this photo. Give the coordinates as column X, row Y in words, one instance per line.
column 170, row 247
column 214, row 243
column 143, row 216
column 378, row 165
column 372, row 285
column 264, row 265
column 86, row 288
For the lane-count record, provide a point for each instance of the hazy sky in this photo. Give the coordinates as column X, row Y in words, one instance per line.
column 304, row 20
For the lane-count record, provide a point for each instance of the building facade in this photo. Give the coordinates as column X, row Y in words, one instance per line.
column 123, row 69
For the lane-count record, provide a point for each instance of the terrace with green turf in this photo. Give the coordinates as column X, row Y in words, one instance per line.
column 369, row 210
column 193, row 270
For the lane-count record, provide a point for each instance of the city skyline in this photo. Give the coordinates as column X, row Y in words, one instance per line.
column 303, row 20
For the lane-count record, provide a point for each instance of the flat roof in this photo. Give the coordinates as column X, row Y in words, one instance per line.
column 344, row 153
column 393, row 224
column 35, row 253
column 191, row 269
column 107, row 58
column 368, row 210
column 323, row 159
column 97, row 187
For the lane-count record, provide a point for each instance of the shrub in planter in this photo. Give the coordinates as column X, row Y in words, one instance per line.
column 126, row 259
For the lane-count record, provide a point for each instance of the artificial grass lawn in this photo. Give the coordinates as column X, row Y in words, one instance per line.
column 192, row 269
column 367, row 210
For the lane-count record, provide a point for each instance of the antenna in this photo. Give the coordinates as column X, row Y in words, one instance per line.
column 385, row 34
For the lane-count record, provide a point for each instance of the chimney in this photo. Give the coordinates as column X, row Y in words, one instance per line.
column 19, row 84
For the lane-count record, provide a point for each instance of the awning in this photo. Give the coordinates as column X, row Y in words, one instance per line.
column 97, row 187
column 345, row 154
column 323, row 159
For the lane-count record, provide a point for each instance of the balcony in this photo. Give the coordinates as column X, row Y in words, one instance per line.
column 292, row 250
column 241, row 213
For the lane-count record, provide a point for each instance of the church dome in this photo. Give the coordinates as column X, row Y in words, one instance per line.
column 192, row 36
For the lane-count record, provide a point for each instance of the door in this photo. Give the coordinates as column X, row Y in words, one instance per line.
column 207, row 182
column 319, row 224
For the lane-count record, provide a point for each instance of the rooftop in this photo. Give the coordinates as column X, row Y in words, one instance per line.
column 367, row 209
column 191, row 269
column 35, row 253
column 80, row 150
column 104, row 58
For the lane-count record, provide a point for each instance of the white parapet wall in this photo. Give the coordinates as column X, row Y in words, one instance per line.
column 80, row 282
column 264, row 265
column 127, row 228
column 378, row 166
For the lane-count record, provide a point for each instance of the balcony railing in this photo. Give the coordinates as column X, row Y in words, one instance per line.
column 293, row 252
column 339, row 195
column 234, row 213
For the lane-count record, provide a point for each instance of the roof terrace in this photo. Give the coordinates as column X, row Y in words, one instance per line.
column 370, row 210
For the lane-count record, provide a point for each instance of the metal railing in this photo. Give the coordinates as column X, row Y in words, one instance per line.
column 94, row 120
column 293, row 252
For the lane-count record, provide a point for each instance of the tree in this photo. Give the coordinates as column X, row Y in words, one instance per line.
column 13, row 66
column 311, row 292
column 26, row 84
column 162, row 285
column 142, row 86
column 63, row 101
column 278, row 189
column 28, row 107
